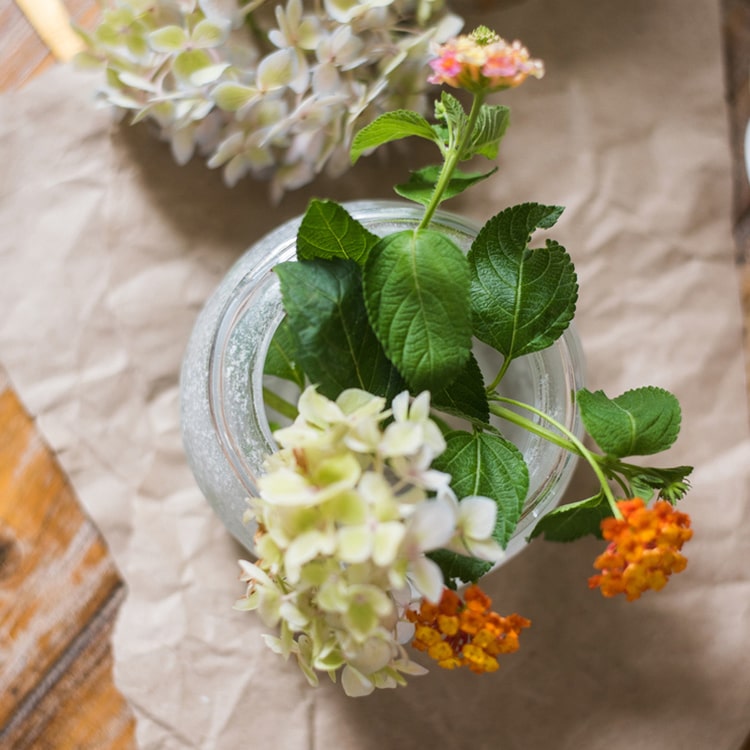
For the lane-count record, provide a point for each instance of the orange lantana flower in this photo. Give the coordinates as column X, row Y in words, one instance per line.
column 644, row 548
column 465, row 633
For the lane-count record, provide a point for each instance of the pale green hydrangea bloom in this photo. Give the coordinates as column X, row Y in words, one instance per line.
column 270, row 89
column 347, row 510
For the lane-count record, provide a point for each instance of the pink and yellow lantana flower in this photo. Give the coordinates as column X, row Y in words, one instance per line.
column 483, row 61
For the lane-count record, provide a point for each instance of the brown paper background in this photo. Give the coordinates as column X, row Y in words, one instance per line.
column 108, row 250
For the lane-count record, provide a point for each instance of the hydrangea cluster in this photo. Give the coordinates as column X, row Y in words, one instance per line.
column 347, row 512
column 269, row 89
column 644, row 548
column 483, row 61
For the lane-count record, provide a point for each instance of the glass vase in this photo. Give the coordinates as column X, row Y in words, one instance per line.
column 224, row 423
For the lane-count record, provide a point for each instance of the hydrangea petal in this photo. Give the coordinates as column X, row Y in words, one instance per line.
column 355, row 684
column 286, row 487
column 427, row 578
column 309, row 33
column 304, row 548
column 251, row 572
column 354, row 544
column 317, row 409
column 487, row 549
column 277, row 70
column 419, row 411
column 401, row 439
column 407, row 666
column 190, row 62
column 360, row 619
column 386, row 542
column 355, row 401
column 137, row 82
column 183, row 145
column 168, row 39
column 400, row 406
column 235, row 168
column 209, row 74
column 232, row 97
column 373, row 655
column 304, row 659
column 332, row 596
column 207, row 34
column 477, row 516
column 432, row 524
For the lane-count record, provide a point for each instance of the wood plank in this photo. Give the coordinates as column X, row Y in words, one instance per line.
column 24, row 53
column 736, row 43
column 51, row 20
column 736, row 38
column 59, row 595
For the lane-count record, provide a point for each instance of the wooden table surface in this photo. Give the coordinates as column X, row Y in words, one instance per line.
column 56, row 688
column 59, row 588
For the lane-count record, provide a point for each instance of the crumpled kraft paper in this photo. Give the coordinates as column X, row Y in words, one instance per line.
column 108, row 250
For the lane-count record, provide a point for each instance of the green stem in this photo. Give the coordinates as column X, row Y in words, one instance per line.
column 533, row 427
column 279, row 404
column 623, row 486
column 255, row 30
column 496, row 382
column 572, row 440
column 451, row 161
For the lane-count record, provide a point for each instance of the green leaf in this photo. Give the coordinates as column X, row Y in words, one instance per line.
column 637, row 423
column 281, row 360
column 488, row 131
column 390, row 126
column 416, row 286
column 421, row 183
column 328, row 325
column 328, row 231
column 640, row 487
column 466, row 396
column 489, row 465
column 450, row 111
column 458, row 569
column 572, row 521
column 671, row 484
column 522, row 299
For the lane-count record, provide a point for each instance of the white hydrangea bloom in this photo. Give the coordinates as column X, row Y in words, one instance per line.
column 345, row 11
column 335, row 65
column 344, row 528
column 475, row 524
column 296, row 30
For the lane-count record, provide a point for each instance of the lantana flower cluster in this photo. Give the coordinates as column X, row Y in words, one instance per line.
column 644, row 548
column 465, row 632
column 483, row 61
column 347, row 512
column 269, row 89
